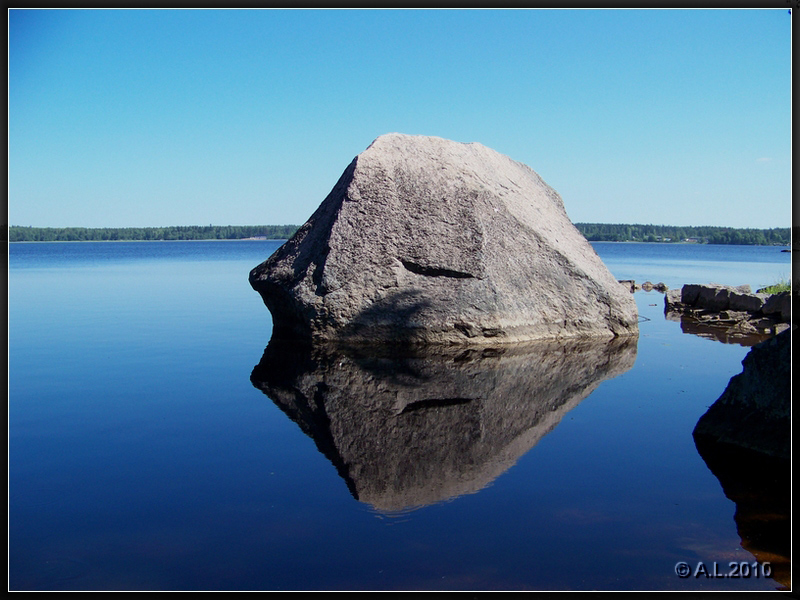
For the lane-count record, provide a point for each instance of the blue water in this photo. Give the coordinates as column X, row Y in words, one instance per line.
column 141, row 456
column 678, row 264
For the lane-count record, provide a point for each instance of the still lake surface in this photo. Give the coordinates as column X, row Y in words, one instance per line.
column 142, row 456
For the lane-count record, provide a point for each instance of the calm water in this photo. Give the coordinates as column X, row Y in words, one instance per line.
column 142, row 456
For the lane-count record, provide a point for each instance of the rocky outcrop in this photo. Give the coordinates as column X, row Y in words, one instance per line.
column 424, row 240
column 410, row 428
column 733, row 311
column 754, row 410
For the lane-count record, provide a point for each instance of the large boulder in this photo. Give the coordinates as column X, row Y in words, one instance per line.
column 424, row 240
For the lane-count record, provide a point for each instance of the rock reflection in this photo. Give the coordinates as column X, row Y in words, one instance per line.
column 406, row 429
column 761, row 491
column 692, row 326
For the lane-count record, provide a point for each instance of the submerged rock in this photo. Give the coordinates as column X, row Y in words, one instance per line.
column 425, row 240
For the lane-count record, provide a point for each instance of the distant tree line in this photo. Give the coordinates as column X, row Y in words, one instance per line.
column 594, row 232
column 604, row 232
column 190, row 232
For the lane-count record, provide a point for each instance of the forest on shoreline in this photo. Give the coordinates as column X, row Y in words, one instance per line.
column 594, row 232
column 112, row 234
column 603, row 232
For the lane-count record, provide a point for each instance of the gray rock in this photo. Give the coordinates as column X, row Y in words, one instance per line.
column 714, row 297
column 779, row 304
column 672, row 298
column 717, row 297
column 737, row 314
column 747, row 302
column 649, row 286
column 424, row 240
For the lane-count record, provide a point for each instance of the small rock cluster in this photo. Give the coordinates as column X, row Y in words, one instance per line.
column 733, row 309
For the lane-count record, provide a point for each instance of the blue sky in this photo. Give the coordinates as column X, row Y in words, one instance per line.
column 192, row 117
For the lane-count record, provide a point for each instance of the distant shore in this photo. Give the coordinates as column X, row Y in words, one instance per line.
column 155, row 241
column 151, row 234
column 594, row 232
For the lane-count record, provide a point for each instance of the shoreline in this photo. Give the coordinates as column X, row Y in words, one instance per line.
column 784, row 247
column 118, row 241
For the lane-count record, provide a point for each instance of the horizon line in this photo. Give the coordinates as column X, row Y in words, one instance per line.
column 298, row 226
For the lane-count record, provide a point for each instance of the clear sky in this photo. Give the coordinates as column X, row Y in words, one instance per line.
column 241, row 117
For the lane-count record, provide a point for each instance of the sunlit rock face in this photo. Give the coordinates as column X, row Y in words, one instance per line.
column 407, row 429
column 425, row 240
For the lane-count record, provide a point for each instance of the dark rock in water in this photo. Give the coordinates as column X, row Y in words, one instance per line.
column 424, row 240
column 745, row 440
column 754, row 411
column 779, row 304
column 407, row 428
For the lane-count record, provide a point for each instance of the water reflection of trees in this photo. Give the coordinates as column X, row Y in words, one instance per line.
column 406, row 429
